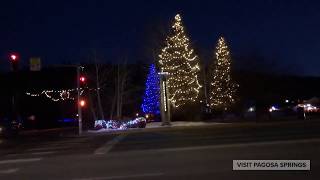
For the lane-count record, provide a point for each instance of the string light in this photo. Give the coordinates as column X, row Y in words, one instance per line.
column 120, row 125
column 58, row 95
column 133, row 123
column 179, row 60
column 222, row 88
column 61, row 95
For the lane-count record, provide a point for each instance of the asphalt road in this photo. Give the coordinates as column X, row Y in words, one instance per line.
column 204, row 152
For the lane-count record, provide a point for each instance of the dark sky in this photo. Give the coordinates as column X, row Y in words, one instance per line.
column 283, row 34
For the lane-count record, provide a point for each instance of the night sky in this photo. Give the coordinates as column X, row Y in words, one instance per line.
column 283, row 34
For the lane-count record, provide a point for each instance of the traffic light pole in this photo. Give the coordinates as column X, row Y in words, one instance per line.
column 14, row 68
column 79, row 68
column 78, row 101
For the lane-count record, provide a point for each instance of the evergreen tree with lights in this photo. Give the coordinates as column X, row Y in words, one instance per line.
column 180, row 61
column 151, row 99
column 222, row 88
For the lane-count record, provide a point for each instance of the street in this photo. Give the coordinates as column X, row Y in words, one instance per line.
column 204, row 152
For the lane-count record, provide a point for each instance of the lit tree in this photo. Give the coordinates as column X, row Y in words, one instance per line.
column 222, row 88
column 151, row 99
column 180, row 61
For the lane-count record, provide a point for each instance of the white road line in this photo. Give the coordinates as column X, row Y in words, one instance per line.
column 221, row 146
column 59, row 144
column 9, row 171
column 48, row 148
column 123, row 177
column 11, row 161
column 43, row 153
column 62, row 143
column 30, row 153
column 248, row 144
column 109, row 145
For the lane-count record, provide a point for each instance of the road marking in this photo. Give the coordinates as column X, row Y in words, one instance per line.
column 222, row 146
column 255, row 144
column 59, row 144
column 9, row 171
column 32, row 153
column 43, row 153
column 123, row 177
column 109, row 145
column 11, row 161
column 48, row 148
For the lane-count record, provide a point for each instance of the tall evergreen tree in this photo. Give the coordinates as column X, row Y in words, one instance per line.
column 180, row 61
column 151, row 99
column 222, row 88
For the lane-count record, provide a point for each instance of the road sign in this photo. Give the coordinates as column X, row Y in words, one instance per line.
column 35, row 64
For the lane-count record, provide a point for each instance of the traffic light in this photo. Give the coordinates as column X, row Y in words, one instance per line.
column 82, row 79
column 82, row 103
column 14, row 60
column 13, row 57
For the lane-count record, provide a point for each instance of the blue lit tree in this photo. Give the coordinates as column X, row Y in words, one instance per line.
column 151, row 98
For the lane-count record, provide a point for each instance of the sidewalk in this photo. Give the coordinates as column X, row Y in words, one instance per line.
column 181, row 124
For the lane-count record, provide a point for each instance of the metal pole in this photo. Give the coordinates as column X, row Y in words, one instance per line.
column 78, row 101
column 168, row 103
column 165, row 103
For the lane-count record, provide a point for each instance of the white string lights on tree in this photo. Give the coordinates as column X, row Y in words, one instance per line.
column 222, row 88
column 179, row 60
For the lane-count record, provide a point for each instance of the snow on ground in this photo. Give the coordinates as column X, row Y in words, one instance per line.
column 103, row 130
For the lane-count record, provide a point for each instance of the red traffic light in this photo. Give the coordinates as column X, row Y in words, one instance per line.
column 14, row 61
column 13, row 57
column 82, row 103
column 82, row 79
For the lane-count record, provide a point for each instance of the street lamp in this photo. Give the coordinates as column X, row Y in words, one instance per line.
column 165, row 102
